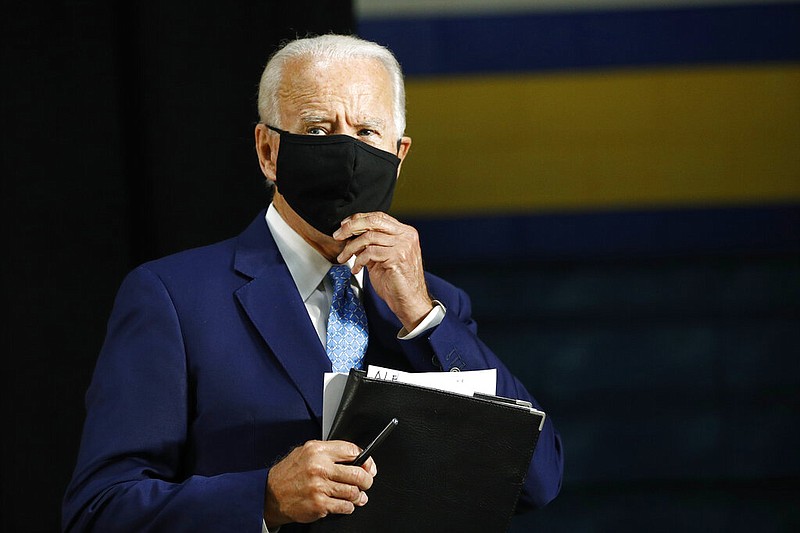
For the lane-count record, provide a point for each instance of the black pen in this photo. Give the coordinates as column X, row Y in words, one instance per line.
column 364, row 455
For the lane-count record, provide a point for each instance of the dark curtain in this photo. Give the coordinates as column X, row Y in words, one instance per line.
column 127, row 134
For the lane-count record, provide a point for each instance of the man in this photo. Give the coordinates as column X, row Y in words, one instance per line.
column 204, row 410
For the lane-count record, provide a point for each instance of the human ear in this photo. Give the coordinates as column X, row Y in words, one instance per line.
column 403, row 146
column 267, row 151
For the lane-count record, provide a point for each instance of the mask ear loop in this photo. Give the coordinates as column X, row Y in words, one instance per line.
column 399, row 142
column 276, row 130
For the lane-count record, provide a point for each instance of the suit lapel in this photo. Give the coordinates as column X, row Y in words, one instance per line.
column 272, row 303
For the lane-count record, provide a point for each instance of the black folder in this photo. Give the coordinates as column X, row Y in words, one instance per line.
column 453, row 463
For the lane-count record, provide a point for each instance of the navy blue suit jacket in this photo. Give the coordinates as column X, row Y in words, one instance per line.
column 211, row 371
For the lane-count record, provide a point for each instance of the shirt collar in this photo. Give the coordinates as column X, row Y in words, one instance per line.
column 306, row 265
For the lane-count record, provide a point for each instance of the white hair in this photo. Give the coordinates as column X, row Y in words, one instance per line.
column 327, row 47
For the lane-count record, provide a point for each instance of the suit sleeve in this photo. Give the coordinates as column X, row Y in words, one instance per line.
column 454, row 344
column 128, row 473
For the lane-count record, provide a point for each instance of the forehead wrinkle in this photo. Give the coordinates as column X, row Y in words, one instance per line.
column 314, row 95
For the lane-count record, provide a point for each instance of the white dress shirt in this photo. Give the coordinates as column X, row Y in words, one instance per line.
column 309, row 270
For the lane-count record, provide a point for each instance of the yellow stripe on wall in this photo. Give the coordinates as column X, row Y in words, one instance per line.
column 639, row 139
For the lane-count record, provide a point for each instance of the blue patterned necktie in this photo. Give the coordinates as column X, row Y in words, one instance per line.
column 347, row 323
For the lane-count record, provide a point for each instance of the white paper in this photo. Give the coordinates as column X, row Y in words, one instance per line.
column 332, row 389
column 466, row 383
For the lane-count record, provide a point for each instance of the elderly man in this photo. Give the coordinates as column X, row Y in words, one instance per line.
column 204, row 410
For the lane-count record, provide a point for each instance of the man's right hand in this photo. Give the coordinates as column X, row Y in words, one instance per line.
column 310, row 483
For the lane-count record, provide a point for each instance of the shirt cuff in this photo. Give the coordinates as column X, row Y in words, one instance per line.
column 431, row 320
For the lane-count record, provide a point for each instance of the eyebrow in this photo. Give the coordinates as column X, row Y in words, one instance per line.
column 373, row 123
column 366, row 123
column 313, row 119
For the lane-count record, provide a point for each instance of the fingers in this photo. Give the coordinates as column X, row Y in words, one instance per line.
column 362, row 222
column 370, row 467
column 354, row 476
column 338, row 450
column 311, row 482
column 391, row 251
column 375, row 237
column 347, row 493
column 370, row 248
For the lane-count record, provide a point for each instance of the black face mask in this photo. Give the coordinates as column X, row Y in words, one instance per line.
column 327, row 178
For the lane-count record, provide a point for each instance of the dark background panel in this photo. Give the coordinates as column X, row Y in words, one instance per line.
column 127, row 134
column 674, row 382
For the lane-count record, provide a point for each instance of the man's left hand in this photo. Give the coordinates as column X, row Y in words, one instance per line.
column 390, row 250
